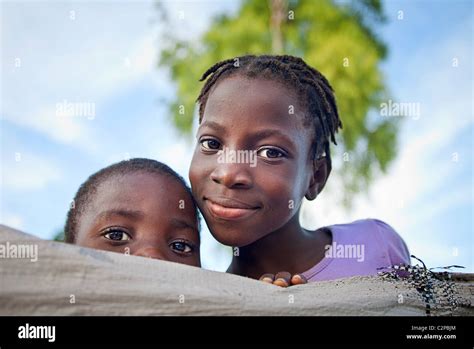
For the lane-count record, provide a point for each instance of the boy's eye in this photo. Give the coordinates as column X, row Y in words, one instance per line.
column 117, row 235
column 181, row 247
column 270, row 153
column 210, row 144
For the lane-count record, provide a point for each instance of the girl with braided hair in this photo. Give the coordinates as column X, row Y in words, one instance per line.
column 284, row 112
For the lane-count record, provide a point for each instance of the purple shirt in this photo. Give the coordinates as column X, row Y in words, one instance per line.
column 359, row 248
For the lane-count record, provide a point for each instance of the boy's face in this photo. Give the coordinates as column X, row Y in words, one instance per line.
column 142, row 214
column 240, row 202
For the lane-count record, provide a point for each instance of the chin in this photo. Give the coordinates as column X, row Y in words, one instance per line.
column 233, row 236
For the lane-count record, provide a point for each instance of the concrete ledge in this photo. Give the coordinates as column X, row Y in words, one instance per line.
column 106, row 283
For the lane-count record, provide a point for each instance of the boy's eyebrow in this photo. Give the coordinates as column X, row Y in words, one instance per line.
column 180, row 223
column 214, row 125
column 132, row 214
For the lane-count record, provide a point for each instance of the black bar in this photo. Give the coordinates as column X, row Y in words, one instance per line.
column 319, row 331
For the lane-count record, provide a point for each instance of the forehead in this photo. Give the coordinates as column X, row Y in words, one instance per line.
column 142, row 191
column 243, row 103
column 255, row 93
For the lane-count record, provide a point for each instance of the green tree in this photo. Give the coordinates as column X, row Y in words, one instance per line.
column 337, row 38
column 59, row 236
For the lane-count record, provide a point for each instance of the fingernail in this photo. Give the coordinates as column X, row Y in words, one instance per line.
column 281, row 282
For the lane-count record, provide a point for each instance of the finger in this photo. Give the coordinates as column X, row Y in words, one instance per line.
column 268, row 278
column 298, row 279
column 282, row 279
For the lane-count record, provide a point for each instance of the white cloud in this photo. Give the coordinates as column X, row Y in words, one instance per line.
column 75, row 60
column 177, row 156
column 83, row 53
column 12, row 220
column 412, row 194
column 31, row 172
column 189, row 19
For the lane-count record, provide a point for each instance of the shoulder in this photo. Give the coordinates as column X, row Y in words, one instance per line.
column 391, row 241
column 377, row 234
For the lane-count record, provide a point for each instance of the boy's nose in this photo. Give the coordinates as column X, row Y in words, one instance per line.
column 149, row 252
column 232, row 176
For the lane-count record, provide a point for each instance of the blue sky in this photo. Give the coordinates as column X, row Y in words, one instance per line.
column 107, row 55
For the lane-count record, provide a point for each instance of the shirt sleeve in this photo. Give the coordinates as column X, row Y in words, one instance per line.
column 396, row 248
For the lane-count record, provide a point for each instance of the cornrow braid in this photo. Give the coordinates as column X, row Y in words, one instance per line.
column 314, row 90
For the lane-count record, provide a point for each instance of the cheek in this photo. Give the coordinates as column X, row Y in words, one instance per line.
column 87, row 240
column 283, row 189
column 193, row 261
column 82, row 240
column 200, row 169
column 83, row 234
column 195, row 170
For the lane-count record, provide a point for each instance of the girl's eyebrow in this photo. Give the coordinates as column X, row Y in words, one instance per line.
column 269, row 133
column 255, row 135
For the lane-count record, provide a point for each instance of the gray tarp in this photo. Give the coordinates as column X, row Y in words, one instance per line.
column 70, row 280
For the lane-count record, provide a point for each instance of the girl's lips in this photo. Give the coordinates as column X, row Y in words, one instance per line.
column 229, row 210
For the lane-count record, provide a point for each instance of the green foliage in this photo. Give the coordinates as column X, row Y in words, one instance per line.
column 59, row 236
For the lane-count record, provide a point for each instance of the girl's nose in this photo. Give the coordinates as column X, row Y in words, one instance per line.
column 232, row 176
column 149, row 252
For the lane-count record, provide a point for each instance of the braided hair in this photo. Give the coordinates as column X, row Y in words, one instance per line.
column 313, row 89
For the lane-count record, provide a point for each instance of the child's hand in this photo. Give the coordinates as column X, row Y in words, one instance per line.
column 284, row 279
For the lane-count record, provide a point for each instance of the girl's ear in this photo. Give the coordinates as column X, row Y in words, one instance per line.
column 319, row 176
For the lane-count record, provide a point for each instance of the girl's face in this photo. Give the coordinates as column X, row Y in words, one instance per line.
column 243, row 202
column 142, row 214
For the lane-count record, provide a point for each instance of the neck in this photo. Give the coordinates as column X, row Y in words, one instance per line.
column 290, row 248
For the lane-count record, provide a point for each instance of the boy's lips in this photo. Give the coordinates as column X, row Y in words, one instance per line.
column 229, row 209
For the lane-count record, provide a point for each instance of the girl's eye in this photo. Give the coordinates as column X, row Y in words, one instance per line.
column 270, row 153
column 210, row 144
column 181, row 247
column 117, row 235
